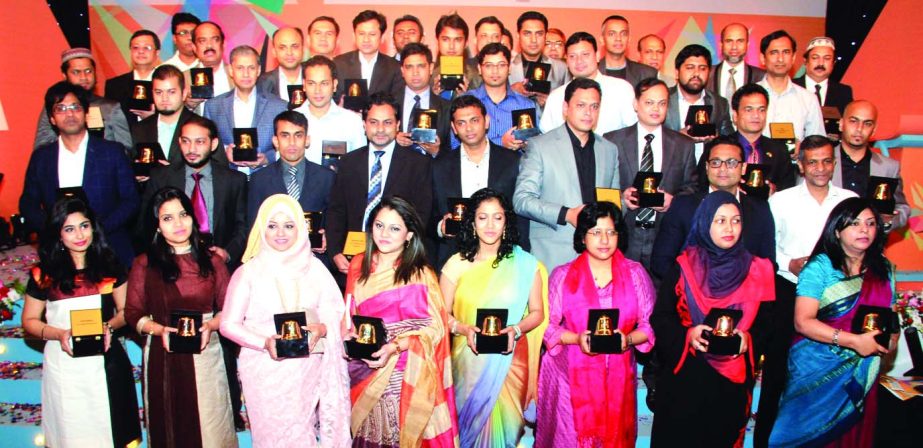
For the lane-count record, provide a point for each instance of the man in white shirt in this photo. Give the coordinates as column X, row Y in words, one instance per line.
column 209, row 49
column 288, row 49
column 788, row 102
column 144, row 50
column 323, row 32
column 327, row 122
column 182, row 27
column 615, row 109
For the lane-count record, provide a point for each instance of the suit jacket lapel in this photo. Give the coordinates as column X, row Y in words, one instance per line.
column 260, row 105
column 631, row 150
column 668, row 149
column 673, row 118
column 494, row 169
column 395, row 169
column 455, row 185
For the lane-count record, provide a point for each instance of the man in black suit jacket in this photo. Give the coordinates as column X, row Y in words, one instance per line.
column 673, row 155
column 735, row 38
column 758, row 227
column 144, row 49
column 819, row 59
column 288, row 49
column 224, row 191
column 479, row 156
column 404, row 173
column 170, row 87
column 385, row 76
column 416, row 69
column 615, row 37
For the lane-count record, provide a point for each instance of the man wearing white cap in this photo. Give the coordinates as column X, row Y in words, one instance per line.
column 819, row 59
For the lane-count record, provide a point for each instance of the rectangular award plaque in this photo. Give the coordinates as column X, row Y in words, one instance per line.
column 491, row 321
column 722, row 340
column 294, row 339
column 314, row 221
column 524, row 120
column 647, row 182
column 698, row 118
column 87, row 332
column 142, row 97
column 245, row 145
column 424, row 125
column 203, row 82
column 331, row 151
column 602, row 324
column 187, row 338
column 357, row 94
column 371, row 337
column 612, row 195
column 355, row 243
column 451, row 72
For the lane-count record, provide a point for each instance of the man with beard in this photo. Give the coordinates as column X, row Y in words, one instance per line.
column 182, row 26
column 209, row 49
column 819, row 60
column 79, row 69
column 788, row 102
column 692, row 70
column 288, row 48
column 651, row 51
column 615, row 62
column 732, row 73
column 169, row 90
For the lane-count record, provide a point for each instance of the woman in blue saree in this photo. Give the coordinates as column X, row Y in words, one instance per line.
column 829, row 399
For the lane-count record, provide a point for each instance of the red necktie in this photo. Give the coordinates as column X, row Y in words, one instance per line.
column 198, row 204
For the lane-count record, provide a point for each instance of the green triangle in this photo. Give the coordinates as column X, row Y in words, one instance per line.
column 264, row 23
column 269, row 5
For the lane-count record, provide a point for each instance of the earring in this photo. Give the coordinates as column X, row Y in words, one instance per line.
column 503, row 236
column 474, row 232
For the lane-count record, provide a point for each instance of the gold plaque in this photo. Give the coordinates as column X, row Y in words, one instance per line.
column 603, row 326
column 200, row 79
column 298, row 97
column 525, row 122
column 883, row 192
column 871, row 322
column 86, row 322
column 491, row 326
column 355, row 243
column 458, row 211
column 724, row 327
column 649, row 185
column 424, row 121
column 95, row 118
column 755, row 179
column 307, row 221
column 185, row 327
column 291, row 330
column 146, row 156
column 609, row 195
column 246, row 141
column 140, row 92
column 701, row 117
column 354, row 89
column 538, row 74
column 783, row 131
column 451, row 65
column 366, row 334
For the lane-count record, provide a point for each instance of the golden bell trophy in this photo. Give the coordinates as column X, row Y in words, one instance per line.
column 491, row 322
column 602, row 324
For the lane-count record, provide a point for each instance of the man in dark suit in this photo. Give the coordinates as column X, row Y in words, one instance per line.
column 393, row 170
column 222, row 190
column 380, row 71
column 416, row 69
column 819, row 60
column 486, row 165
column 144, row 49
column 615, row 37
column 98, row 167
column 759, row 231
column 288, row 49
column 169, row 90
column 245, row 107
column 732, row 73
column 670, row 153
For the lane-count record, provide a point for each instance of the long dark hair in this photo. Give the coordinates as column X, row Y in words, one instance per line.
column 468, row 241
column 587, row 218
column 161, row 255
column 840, row 218
column 56, row 264
column 413, row 256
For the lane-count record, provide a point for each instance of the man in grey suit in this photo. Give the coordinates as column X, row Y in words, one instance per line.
column 649, row 146
column 732, row 73
column 288, row 48
column 561, row 171
column 380, row 71
column 532, row 26
column 855, row 161
column 245, row 107
column 615, row 37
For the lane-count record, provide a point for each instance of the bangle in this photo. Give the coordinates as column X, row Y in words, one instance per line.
column 43, row 332
column 518, row 332
column 836, row 337
column 454, row 328
column 629, row 342
column 150, row 330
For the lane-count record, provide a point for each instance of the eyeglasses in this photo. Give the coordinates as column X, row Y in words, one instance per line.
column 142, row 48
column 731, row 163
column 598, row 233
column 554, row 43
column 500, row 66
column 183, row 33
column 63, row 108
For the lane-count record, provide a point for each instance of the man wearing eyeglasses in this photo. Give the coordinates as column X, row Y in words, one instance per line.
column 182, row 26
column 144, row 49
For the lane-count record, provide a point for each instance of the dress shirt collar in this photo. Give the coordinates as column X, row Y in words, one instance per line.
column 484, row 159
column 576, row 141
column 206, row 171
column 81, row 148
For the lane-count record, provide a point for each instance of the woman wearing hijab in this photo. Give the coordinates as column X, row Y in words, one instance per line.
column 186, row 398
column 588, row 399
column 287, row 396
column 710, row 394
column 491, row 271
column 830, row 397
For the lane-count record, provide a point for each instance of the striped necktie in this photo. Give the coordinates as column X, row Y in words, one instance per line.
column 375, row 188
column 293, row 189
column 647, row 164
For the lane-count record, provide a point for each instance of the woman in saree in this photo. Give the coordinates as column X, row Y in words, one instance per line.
column 286, row 397
column 403, row 397
column 710, row 393
column 186, row 398
column 830, row 397
column 491, row 271
column 90, row 400
column 588, row 399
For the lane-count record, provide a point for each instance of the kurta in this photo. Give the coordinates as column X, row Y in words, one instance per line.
column 186, row 398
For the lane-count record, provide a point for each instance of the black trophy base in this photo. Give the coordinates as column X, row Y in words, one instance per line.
column 525, row 134
column 141, row 169
column 650, row 200
column 316, row 239
column 703, row 130
column 450, row 82
column 202, row 92
column 293, row 348
column 452, row 227
column 884, row 207
column 357, row 350
column 90, row 345
column 539, row 86
column 722, row 345
column 423, row 135
column 355, row 103
column 245, row 155
column 606, row 344
column 761, row 192
column 140, row 104
column 491, row 344
column 185, row 344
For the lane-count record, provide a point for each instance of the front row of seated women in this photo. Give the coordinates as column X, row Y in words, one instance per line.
column 428, row 385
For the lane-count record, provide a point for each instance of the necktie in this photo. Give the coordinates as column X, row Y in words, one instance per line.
column 817, row 93
column 374, row 196
column 293, row 189
column 647, row 164
column 198, row 204
column 754, row 154
column 731, row 85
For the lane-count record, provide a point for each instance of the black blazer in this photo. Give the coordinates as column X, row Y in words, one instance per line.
column 774, row 154
column 146, row 131
column 266, row 182
column 634, row 71
column 409, row 175
column 752, row 75
column 443, row 121
column 759, row 230
column 229, row 228
column 386, row 76
column 838, row 95
column 501, row 176
column 119, row 89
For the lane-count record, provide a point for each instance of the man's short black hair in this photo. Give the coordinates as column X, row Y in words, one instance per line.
column 692, row 51
column 492, row 20
column 452, row 21
column 209, row 22
column 202, row 122
column 463, row 101
column 777, row 34
column 169, row 71
column 747, row 90
column 416, row 48
column 181, row 18
column 409, row 18
column 383, row 99
column 581, row 83
column 290, row 116
column 494, row 48
column 646, row 84
column 148, row 33
column 369, row 15
column 336, row 26
column 580, row 36
column 531, row 15
column 56, row 93
column 321, row 61
column 724, row 140
column 812, row 142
